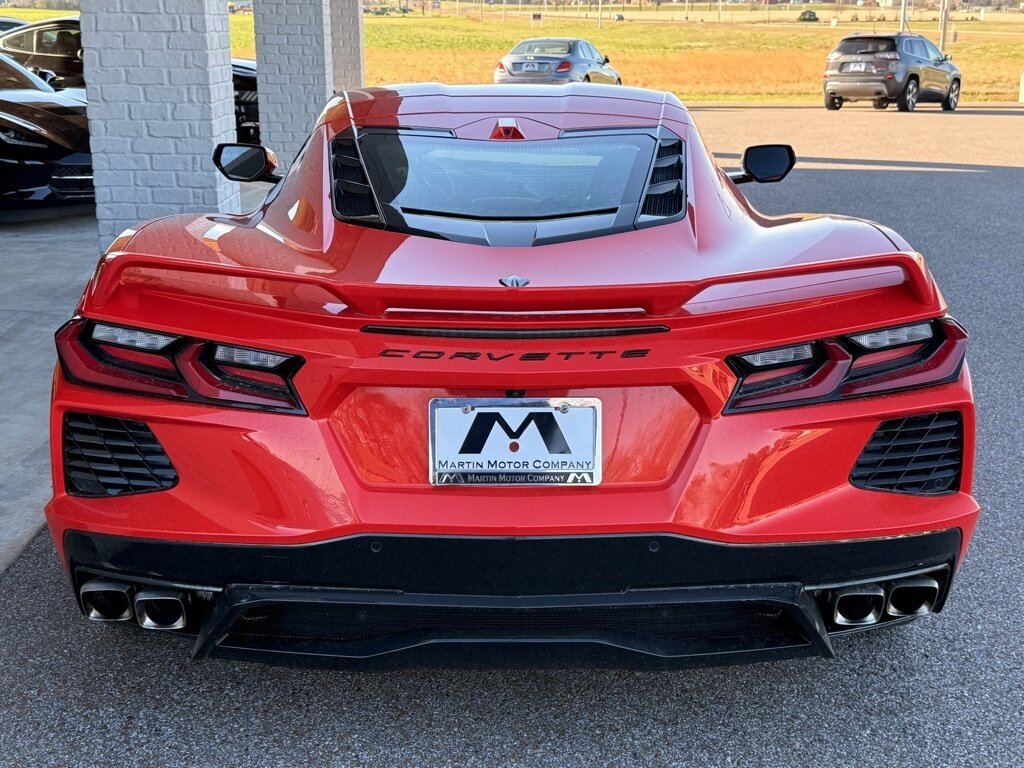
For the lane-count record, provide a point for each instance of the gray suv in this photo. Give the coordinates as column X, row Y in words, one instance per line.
column 902, row 68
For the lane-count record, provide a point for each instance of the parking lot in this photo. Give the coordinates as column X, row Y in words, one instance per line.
column 947, row 690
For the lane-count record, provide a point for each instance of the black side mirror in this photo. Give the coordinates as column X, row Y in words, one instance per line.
column 49, row 77
column 246, row 162
column 766, row 163
column 607, row 60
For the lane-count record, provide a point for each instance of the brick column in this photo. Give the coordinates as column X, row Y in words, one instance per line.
column 294, row 70
column 160, row 99
column 347, row 38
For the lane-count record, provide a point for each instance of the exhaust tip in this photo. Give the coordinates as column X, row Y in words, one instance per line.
column 161, row 609
column 914, row 596
column 104, row 600
column 859, row 605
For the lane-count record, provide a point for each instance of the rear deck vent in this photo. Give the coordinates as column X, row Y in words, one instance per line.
column 112, row 457
column 664, row 195
column 352, row 196
column 921, row 455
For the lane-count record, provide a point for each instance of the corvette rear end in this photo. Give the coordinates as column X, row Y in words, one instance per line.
column 513, row 365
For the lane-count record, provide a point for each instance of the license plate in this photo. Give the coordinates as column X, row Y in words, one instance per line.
column 857, row 66
column 530, row 66
column 515, row 442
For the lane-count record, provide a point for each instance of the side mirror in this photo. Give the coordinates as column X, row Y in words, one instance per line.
column 765, row 164
column 246, row 162
column 948, row 57
column 607, row 60
column 49, row 77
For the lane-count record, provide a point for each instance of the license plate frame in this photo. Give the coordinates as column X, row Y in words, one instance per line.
column 540, row 428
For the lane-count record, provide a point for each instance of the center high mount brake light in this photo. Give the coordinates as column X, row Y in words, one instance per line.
column 153, row 363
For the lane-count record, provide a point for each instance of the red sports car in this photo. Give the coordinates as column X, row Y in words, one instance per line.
column 498, row 365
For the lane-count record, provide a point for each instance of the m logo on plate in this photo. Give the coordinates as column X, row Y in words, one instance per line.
column 485, row 422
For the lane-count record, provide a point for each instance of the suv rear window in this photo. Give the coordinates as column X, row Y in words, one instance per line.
column 513, row 180
column 855, row 45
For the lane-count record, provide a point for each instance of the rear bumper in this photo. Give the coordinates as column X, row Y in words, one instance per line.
column 863, row 88
column 661, row 596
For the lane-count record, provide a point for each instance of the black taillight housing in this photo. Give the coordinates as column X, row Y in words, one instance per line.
column 872, row 362
column 182, row 368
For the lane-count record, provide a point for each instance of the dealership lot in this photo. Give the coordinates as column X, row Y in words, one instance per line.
column 948, row 689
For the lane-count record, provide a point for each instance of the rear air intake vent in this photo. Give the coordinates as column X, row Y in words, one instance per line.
column 920, row 454
column 664, row 195
column 112, row 457
column 352, row 196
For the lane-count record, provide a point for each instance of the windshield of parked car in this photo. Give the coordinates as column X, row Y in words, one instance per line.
column 542, row 47
column 14, row 77
column 506, row 179
column 865, row 45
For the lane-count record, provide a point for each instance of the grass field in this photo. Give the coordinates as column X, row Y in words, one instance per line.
column 677, row 48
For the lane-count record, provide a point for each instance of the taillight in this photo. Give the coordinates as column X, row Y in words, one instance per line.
column 888, row 55
column 885, row 360
column 500, row 66
column 153, row 363
column 563, row 66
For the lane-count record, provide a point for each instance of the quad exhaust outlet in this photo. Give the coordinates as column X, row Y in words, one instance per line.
column 104, row 600
column 915, row 596
column 161, row 609
column 858, row 605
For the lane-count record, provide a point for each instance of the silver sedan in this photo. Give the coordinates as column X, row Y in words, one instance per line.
column 555, row 60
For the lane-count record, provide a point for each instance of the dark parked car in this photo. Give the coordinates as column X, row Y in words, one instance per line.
column 902, row 68
column 555, row 60
column 9, row 22
column 55, row 45
column 807, row 16
column 44, row 144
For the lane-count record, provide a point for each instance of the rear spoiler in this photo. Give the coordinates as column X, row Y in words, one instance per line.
column 376, row 298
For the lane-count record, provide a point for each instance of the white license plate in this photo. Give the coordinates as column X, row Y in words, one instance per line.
column 515, row 442
column 530, row 66
column 857, row 66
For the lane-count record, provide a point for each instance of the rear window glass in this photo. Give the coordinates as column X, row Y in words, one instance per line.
column 542, row 48
column 854, row 45
column 506, row 180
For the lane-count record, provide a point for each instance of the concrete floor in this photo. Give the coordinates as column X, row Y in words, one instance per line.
column 946, row 690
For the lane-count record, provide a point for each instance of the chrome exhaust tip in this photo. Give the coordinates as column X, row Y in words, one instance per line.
column 914, row 596
column 104, row 600
column 859, row 605
column 161, row 609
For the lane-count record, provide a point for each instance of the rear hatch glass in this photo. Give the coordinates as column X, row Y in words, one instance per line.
column 853, row 46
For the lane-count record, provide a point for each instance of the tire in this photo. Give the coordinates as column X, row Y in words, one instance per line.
column 880, row 104
column 832, row 103
column 949, row 103
column 907, row 101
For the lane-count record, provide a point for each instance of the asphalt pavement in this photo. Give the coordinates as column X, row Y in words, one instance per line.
column 946, row 690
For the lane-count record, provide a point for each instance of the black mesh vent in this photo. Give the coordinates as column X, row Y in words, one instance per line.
column 919, row 454
column 352, row 197
column 664, row 195
column 331, row 624
column 72, row 181
column 111, row 457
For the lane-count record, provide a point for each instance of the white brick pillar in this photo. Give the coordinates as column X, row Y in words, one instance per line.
column 347, row 48
column 294, row 70
column 160, row 99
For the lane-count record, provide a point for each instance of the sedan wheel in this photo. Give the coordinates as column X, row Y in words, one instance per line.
column 880, row 103
column 952, row 98
column 908, row 99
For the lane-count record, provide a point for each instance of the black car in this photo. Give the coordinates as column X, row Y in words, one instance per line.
column 44, row 145
column 9, row 22
column 55, row 45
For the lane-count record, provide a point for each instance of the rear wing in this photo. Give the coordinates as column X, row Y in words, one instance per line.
column 373, row 299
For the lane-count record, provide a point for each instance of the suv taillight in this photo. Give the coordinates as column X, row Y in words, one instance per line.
column 874, row 362
column 155, row 363
column 888, row 55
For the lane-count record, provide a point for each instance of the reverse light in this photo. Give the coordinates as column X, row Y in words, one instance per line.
column 891, row 337
column 152, row 363
column 874, row 362
column 131, row 337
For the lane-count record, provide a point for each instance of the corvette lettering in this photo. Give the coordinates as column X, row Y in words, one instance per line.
column 525, row 357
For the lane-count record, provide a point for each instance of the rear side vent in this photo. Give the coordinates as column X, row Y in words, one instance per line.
column 664, row 195
column 920, row 454
column 352, row 196
column 113, row 457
